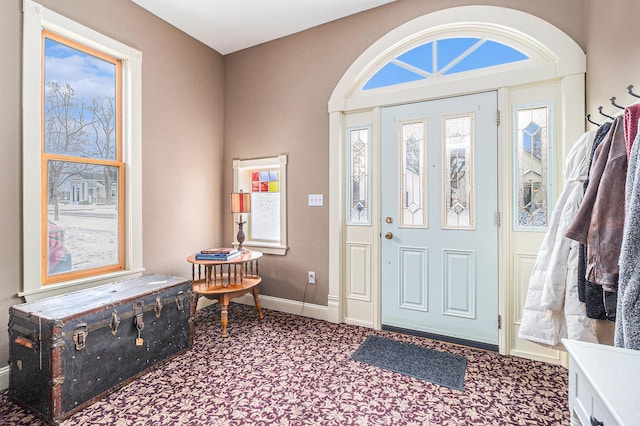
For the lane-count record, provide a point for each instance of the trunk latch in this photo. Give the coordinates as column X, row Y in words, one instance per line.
column 138, row 321
column 80, row 335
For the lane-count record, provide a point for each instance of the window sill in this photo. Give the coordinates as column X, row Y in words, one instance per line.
column 267, row 248
column 80, row 284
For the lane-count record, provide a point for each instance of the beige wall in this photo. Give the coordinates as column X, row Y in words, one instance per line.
column 613, row 55
column 276, row 102
column 182, row 97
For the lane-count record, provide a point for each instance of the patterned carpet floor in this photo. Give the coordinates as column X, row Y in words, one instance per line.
column 293, row 370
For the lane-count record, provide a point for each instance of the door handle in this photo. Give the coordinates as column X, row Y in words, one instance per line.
column 388, row 235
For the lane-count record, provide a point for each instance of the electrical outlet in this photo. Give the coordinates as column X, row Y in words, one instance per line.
column 311, row 277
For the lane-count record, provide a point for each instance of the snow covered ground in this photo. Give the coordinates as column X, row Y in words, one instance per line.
column 91, row 234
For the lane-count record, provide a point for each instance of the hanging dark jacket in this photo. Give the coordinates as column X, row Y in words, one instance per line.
column 599, row 222
column 599, row 304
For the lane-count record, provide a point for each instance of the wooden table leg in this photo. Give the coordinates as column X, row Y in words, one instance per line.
column 256, row 300
column 224, row 313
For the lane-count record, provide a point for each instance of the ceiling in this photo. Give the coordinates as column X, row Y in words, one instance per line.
column 231, row 25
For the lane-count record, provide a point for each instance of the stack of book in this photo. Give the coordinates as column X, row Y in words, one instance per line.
column 221, row 254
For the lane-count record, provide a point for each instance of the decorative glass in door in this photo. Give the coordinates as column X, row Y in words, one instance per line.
column 458, row 172
column 412, row 173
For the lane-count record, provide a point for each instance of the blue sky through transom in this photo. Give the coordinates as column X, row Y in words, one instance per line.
column 418, row 63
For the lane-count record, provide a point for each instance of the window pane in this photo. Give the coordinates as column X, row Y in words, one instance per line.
column 265, row 216
column 450, row 49
column 532, row 172
column 264, row 223
column 420, row 57
column 79, row 103
column 391, row 74
column 413, row 178
column 83, row 225
column 358, row 157
column 490, row 53
column 458, row 172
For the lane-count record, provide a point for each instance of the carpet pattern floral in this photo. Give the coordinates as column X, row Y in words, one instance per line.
column 293, row 370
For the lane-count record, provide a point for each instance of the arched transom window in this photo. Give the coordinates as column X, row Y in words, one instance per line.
column 443, row 57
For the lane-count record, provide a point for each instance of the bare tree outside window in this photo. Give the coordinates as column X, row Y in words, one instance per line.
column 81, row 153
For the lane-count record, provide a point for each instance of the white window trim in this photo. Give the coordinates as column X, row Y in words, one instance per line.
column 36, row 18
column 280, row 162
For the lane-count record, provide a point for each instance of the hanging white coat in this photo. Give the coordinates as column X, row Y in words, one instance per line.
column 552, row 310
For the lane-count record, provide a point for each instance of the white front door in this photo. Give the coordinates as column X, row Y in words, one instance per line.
column 439, row 217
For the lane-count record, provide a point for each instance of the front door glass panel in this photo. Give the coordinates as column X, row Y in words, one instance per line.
column 458, row 170
column 413, row 178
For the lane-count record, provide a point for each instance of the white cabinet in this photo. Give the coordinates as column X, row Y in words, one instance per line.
column 604, row 384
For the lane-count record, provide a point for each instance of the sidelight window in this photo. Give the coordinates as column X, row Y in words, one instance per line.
column 532, row 170
column 358, row 155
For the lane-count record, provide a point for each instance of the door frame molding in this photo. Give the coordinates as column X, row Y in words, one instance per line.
column 560, row 59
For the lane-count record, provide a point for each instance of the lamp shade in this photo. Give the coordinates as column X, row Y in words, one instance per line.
column 240, row 202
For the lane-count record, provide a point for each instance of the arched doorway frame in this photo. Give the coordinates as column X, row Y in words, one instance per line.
column 557, row 57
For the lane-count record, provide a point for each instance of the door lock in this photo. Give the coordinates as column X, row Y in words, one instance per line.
column 388, row 235
column 389, row 219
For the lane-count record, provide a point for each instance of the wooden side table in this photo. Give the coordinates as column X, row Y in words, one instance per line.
column 226, row 280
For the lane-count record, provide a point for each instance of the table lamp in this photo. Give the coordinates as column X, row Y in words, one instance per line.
column 240, row 203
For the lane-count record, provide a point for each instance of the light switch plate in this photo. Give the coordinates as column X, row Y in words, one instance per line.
column 316, row 200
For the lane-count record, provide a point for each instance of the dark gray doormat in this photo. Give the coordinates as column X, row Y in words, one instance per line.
column 437, row 367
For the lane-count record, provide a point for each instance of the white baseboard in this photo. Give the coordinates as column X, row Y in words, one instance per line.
column 4, row 377
column 333, row 308
column 351, row 321
column 539, row 357
column 289, row 306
